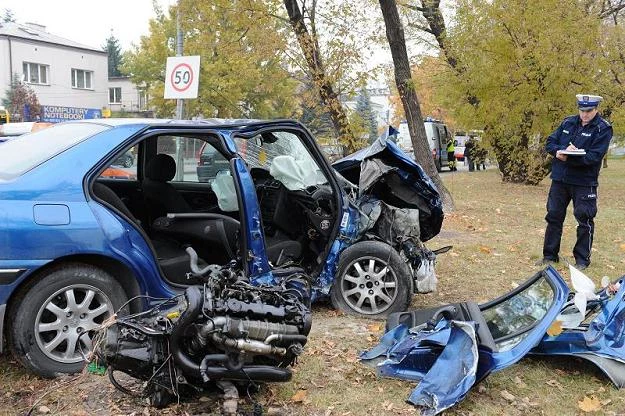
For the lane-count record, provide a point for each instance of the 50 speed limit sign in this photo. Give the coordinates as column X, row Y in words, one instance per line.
column 182, row 76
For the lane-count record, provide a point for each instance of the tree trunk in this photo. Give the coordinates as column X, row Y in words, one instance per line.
column 432, row 13
column 408, row 95
column 310, row 48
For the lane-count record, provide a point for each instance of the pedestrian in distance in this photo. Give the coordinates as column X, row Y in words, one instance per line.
column 578, row 145
column 469, row 150
column 451, row 155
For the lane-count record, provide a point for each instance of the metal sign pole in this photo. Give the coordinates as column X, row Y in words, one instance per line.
column 179, row 103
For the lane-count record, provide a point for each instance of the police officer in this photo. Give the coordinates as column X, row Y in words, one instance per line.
column 574, row 177
column 451, row 157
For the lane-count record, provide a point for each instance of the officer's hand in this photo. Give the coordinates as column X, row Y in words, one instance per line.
column 571, row 146
column 560, row 156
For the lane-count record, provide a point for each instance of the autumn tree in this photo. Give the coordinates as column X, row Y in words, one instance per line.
column 407, row 93
column 21, row 101
column 114, row 51
column 365, row 111
column 332, row 50
column 242, row 69
column 523, row 72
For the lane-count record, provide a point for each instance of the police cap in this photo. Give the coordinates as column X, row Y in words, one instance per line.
column 587, row 101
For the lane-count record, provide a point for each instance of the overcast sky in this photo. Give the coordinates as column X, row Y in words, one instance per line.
column 88, row 22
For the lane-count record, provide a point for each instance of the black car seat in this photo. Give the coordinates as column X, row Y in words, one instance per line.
column 465, row 311
column 172, row 258
column 162, row 198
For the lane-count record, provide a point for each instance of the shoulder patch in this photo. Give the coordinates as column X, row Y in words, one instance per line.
column 605, row 122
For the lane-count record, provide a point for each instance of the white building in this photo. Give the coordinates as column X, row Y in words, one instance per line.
column 126, row 96
column 62, row 72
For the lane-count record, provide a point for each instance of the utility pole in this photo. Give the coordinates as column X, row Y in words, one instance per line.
column 179, row 103
column 178, row 53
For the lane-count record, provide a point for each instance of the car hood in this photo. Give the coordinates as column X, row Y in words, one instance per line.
column 385, row 171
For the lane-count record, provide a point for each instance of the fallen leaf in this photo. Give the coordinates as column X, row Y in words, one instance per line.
column 589, row 404
column 554, row 383
column 606, row 402
column 485, row 249
column 374, row 327
column 519, row 382
column 506, row 395
column 299, row 396
column 622, row 247
column 555, row 329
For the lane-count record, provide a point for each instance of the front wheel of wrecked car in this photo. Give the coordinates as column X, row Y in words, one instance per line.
column 372, row 281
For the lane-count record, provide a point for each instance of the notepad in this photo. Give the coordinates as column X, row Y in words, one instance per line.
column 577, row 152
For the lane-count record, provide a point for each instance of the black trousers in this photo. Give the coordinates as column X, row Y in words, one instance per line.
column 584, row 208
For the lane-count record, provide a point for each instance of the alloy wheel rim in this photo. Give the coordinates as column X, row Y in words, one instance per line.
column 369, row 286
column 66, row 321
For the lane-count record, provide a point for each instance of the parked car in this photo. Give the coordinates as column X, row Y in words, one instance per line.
column 126, row 160
column 78, row 243
column 209, row 163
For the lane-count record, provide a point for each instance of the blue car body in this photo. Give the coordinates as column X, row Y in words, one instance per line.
column 449, row 349
column 50, row 216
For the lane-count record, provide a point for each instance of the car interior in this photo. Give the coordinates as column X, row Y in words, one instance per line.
column 175, row 210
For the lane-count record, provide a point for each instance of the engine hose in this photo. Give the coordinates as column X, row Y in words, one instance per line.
column 250, row 373
column 284, row 338
column 194, row 300
column 222, row 358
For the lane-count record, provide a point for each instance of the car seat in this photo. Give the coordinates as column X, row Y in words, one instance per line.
column 172, row 258
column 162, row 198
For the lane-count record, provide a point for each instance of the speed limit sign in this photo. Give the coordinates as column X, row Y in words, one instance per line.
column 182, row 77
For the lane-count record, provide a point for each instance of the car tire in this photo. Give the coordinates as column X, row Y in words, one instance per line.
column 128, row 161
column 372, row 281
column 49, row 314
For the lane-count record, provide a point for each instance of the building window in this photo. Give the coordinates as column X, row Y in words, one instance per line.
column 82, row 79
column 143, row 99
column 115, row 95
column 35, row 73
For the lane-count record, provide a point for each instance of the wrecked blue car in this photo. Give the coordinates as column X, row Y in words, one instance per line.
column 83, row 236
column 451, row 348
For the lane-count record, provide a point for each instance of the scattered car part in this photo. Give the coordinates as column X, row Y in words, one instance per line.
column 449, row 349
column 223, row 330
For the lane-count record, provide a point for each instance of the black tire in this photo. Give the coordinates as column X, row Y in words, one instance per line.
column 42, row 313
column 374, row 291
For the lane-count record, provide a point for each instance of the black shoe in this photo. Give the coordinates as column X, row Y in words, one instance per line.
column 581, row 266
column 546, row 262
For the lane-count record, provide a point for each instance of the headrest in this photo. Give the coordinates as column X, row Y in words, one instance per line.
column 161, row 168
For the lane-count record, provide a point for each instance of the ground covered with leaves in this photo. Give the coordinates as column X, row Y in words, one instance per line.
column 497, row 231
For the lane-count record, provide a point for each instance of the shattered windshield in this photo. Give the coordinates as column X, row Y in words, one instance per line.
column 509, row 320
column 284, row 156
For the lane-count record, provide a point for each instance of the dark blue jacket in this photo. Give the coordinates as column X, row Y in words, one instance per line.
column 594, row 137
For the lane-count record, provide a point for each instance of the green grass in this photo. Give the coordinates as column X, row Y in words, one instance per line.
column 497, row 232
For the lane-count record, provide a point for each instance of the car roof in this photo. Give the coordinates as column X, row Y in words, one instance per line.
column 207, row 122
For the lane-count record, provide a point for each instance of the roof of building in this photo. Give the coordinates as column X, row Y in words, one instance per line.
column 38, row 33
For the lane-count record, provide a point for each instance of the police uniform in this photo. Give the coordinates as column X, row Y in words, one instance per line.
column 451, row 157
column 575, row 179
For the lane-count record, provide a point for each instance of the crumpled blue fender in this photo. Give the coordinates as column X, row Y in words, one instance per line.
column 444, row 359
column 452, row 375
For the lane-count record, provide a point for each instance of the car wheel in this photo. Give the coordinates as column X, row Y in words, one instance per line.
column 53, row 320
column 372, row 281
column 128, row 161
